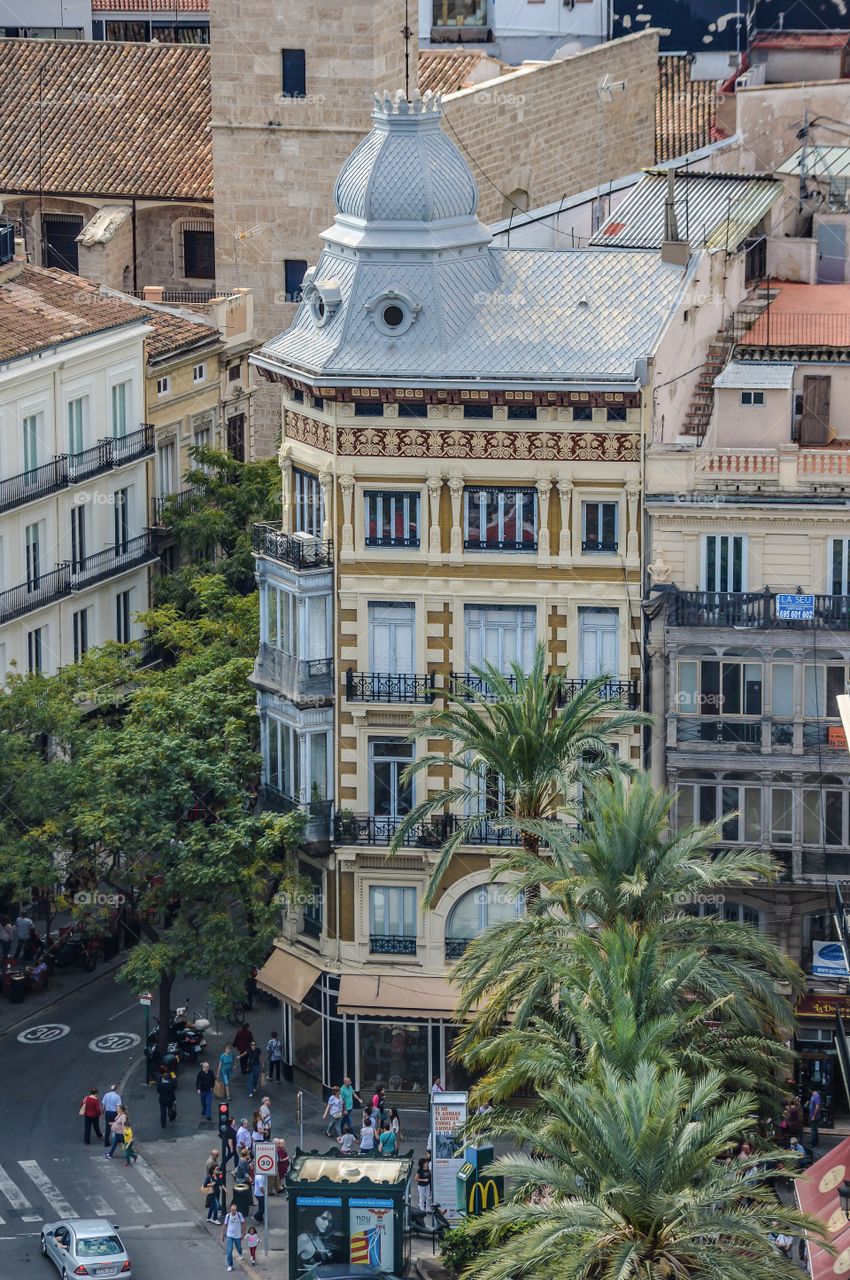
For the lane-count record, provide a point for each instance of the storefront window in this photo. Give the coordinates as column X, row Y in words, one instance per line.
column 395, row 1055
column 307, row 1037
column 457, row 1076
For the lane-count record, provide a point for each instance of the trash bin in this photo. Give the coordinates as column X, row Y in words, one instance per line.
column 109, row 946
column 17, row 988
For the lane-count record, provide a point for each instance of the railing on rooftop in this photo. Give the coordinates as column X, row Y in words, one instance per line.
column 298, row 550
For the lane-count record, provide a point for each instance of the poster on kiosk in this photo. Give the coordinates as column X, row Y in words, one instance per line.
column 448, row 1121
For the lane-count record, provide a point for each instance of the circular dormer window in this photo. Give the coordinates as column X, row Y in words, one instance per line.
column 393, row 312
column 393, row 316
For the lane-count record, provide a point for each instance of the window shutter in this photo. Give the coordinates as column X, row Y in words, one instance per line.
column 814, row 425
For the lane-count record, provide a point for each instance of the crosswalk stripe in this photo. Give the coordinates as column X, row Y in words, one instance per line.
column 101, row 1208
column 153, row 1180
column 134, row 1202
column 52, row 1194
column 12, row 1191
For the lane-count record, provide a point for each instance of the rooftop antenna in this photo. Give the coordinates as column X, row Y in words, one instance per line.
column 673, row 249
column 407, row 33
column 804, row 134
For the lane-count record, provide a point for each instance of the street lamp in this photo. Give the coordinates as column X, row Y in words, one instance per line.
column 844, row 1197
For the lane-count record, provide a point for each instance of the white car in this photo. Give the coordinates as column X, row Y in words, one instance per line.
column 86, row 1247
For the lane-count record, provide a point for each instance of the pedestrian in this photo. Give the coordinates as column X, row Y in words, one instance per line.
column 212, row 1161
column 252, row 1239
column 334, row 1110
column 274, row 1057
column 229, row 1143
column 116, row 1130
column 260, row 1196
column 395, row 1125
column 283, row 1163
column 91, row 1111
column 110, row 1102
column 243, row 1135
column 367, row 1138
column 437, row 1086
column 242, row 1043
column 257, row 1135
column 387, row 1140
column 815, row 1110
column 790, row 1123
column 5, row 937
column 226, row 1060
column 349, row 1097
column 266, row 1117
column 377, row 1113
column 242, row 1184
column 255, row 1062
column 24, row 929
column 211, row 1190
column 167, row 1097
column 346, row 1141
column 204, row 1085
column 423, row 1183
column 129, row 1143
column 232, row 1230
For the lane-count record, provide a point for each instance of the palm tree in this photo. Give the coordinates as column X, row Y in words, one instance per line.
column 518, row 753
column 630, row 1179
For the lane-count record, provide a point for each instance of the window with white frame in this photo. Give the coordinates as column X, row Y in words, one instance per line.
column 36, row 650
column 78, row 536
column 736, row 799
column 711, row 687
column 31, row 431
column 80, row 622
column 166, row 467
column 733, row 912
column 392, row 917
column 599, row 643
column 500, row 635
column 391, row 794
column 500, row 519
column 752, row 398
column 599, row 526
column 839, row 580
column 724, row 566
column 392, row 637
column 822, row 683
column 199, row 373
column 280, row 620
column 77, row 419
column 825, row 811
column 162, row 386
column 283, row 758
column 120, row 397
column 479, row 910
column 309, row 515
column 123, row 616
column 782, row 689
column 32, row 543
column 392, row 519
column 121, row 518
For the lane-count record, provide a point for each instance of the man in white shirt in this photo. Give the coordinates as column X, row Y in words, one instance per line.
column 260, row 1196
column 110, row 1102
column 232, row 1230
column 24, row 929
column 243, row 1136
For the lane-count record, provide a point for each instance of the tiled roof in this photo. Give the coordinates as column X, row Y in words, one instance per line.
column 40, row 308
column 173, row 332
column 804, row 315
column 800, row 40
column 115, row 119
column 150, row 6
column 746, row 374
column 685, row 109
column 446, row 70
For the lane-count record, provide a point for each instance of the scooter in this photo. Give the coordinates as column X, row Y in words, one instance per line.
column 186, row 1045
column 419, row 1223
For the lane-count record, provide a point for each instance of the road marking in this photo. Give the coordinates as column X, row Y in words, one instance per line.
column 115, row 1042
column 134, row 1005
column 101, row 1208
column 52, row 1194
column 144, row 1226
column 153, row 1180
column 13, row 1193
column 44, row 1034
column 134, row 1201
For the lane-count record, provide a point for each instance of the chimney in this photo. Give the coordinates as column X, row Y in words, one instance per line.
column 673, row 250
column 153, row 293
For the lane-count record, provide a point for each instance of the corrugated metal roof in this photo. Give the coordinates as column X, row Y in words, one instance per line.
column 746, row 375
column 823, row 163
column 711, row 210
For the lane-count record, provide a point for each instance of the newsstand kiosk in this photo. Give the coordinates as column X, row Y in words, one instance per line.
column 347, row 1209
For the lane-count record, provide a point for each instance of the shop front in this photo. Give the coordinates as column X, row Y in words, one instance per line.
column 819, row 1064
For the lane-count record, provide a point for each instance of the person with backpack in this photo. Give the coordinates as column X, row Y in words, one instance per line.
column 274, row 1057
column 167, row 1097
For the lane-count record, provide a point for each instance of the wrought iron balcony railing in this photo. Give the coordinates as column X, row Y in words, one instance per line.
column 467, row 685
column 708, row 729
column 379, row 686
column 455, row 947
column 351, row 828
column 117, row 559
column 33, row 484
column 390, row 540
column 297, row 550
column 294, row 678
column 758, row 609
column 505, row 544
column 598, row 544
column 391, row 945
column 73, row 468
column 90, row 462
column 40, row 590
column 172, row 502
column 135, row 445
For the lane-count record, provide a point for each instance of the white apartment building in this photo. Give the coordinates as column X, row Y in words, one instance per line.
column 74, row 450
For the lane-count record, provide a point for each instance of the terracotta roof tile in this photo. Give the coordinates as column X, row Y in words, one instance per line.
column 117, row 119
column 800, row 40
column 448, row 70
column 804, row 315
column 684, row 109
column 173, row 333
column 150, row 6
column 40, row 308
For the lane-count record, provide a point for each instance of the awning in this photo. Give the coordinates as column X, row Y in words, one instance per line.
column 399, row 997
column 817, row 1194
column 287, row 977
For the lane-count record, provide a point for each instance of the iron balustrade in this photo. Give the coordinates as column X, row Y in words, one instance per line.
column 7, row 243
column 596, row 544
column 295, row 678
column 311, row 926
column 391, row 945
column 90, row 462
column 172, row 502
column 506, row 544
column 41, row 590
column 112, row 560
column 135, row 445
column 707, row 729
column 464, row 684
column 33, row 484
column 276, row 800
column 368, row 828
column 300, row 553
column 753, row 609
column 625, row 691
column 455, row 947
column 379, row 686
column 391, row 541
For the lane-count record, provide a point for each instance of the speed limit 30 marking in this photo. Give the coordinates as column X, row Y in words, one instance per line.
column 44, row 1034
column 114, row 1042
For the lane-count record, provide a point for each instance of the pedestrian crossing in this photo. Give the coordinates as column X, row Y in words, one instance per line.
column 33, row 1191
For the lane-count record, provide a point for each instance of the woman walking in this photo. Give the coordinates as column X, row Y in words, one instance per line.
column 226, row 1060
column 255, row 1062
column 91, row 1111
column 116, row 1130
column 212, row 1189
column 395, row 1125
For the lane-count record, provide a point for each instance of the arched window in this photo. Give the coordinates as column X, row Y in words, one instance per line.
column 478, row 910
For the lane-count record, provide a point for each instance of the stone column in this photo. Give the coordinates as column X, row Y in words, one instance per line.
column 435, row 489
column 565, row 492
column 544, row 489
column 346, row 486
column 632, row 496
column 456, row 490
column 326, row 482
column 286, row 485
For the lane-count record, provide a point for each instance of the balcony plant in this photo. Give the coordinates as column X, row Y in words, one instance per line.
column 347, row 827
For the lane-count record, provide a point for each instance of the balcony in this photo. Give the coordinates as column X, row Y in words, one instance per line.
column 469, row 686
column 377, row 686
column 113, row 560
column 172, row 502
column 594, row 544
column 73, row 468
column 42, row 590
column 494, row 544
column 297, row 679
column 391, row 945
column 756, row 609
column 317, row 830
column 455, row 947
column 706, row 729
column 374, row 829
column 298, row 550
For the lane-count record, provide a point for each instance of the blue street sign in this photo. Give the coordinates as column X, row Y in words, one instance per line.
column 795, row 608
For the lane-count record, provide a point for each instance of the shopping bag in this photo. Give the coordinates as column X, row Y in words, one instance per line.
column 218, row 1089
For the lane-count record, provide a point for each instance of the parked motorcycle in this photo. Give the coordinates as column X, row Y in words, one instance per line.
column 185, row 1045
column 420, row 1226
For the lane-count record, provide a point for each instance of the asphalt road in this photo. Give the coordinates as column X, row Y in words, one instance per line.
column 46, row 1171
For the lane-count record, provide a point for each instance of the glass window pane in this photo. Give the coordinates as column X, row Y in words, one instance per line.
column 685, row 806
column 729, row 802
column 833, row 818
column 318, row 766
column 811, row 817
column 752, row 813
column 782, row 808
column 782, row 677
column 835, row 685
column 731, row 703
column 752, row 688
column 708, row 803
column 686, row 700
column 813, row 699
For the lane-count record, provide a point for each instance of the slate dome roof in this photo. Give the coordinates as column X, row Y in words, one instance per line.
column 406, row 169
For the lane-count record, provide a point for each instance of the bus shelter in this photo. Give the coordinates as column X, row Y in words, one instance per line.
column 347, row 1209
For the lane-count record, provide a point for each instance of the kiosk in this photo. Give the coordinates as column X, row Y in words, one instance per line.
column 347, row 1209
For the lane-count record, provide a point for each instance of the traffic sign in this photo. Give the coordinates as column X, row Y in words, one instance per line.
column 145, row 998
column 265, row 1157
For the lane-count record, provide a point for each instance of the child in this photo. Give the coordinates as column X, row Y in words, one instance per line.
column 252, row 1240
column 129, row 1147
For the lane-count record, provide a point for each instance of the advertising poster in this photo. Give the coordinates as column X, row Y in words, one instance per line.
column 828, row 960
column 320, row 1235
column 371, row 1227
column 448, row 1120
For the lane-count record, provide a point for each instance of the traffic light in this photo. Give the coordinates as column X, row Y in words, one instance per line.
column 223, row 1118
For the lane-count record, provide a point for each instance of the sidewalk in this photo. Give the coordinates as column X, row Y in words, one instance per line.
column 63, row 983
